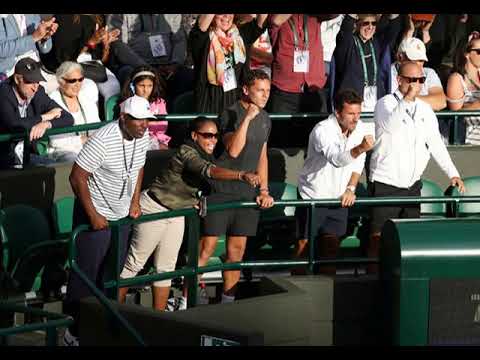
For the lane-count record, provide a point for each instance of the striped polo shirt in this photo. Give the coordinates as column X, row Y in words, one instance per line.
column 110, row 158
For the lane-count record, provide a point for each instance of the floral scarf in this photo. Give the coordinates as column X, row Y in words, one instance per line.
column 222, row 46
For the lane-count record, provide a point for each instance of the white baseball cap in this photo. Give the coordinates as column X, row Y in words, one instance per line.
column 414, row 49
column 137, row 107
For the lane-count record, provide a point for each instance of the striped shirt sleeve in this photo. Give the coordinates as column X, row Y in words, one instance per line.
column 92, row 154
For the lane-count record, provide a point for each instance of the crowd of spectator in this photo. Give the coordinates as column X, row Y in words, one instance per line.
column 62, row 69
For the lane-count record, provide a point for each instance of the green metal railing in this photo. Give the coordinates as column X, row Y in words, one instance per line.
column 191, row 270
column 53, row 321
column 187, row 117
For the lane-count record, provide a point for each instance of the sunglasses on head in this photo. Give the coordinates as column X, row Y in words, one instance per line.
column 366, row 23
column 73, row 81
column 411, row 79
column 477, row 51
column 208, row 135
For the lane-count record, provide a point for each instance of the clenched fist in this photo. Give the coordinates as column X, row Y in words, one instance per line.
column 367, row 143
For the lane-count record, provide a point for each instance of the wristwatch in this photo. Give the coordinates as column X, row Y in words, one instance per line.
column 351, row 188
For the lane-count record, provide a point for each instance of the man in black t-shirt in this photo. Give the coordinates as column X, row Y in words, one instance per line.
column 246, row 128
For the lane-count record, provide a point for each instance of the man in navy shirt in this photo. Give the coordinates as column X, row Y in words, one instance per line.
column 24, row 106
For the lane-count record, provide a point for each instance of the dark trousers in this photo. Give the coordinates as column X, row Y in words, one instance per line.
column 380, row 214
column 287, row 102
column 92, row 250
column 291, row 103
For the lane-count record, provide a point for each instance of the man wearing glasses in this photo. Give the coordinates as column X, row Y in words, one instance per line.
column 406, row 132
column 24, row 106
column 431, row 90
column 361, row 57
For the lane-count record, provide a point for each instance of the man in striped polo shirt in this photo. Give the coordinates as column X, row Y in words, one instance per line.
column 106, row 179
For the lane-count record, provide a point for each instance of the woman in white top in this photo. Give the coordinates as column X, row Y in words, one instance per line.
column 463, row 88
column 72, row 97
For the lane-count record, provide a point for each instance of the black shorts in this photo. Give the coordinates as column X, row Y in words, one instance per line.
column 380, row 214
column 329, row 220
column 232, row 222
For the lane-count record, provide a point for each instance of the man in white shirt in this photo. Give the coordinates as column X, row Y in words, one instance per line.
column 335, row 161
column 406, row 132
column 431, row 90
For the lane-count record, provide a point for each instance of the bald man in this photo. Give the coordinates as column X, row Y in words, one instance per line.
column 406, row 132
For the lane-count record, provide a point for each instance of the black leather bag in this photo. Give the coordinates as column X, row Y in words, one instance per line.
column 95, row 71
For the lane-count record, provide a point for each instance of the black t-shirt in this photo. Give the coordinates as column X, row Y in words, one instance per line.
column 257, row 135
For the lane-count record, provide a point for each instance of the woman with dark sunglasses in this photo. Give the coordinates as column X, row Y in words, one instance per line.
column 361, row 60
column 177, row 186
column 463, row 88
column 74, row 98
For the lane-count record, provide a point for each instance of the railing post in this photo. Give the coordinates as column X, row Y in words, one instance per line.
column 455, row 130
column 311, row 237
column 52, row 335
column 26, row 150
column 192, row 259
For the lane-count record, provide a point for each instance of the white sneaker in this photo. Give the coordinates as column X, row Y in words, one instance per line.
column 181, row 303
column 69, row 339
column 202, row 295
column 171, row 304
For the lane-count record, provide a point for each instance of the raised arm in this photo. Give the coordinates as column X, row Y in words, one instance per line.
column 261, row 18
column 204, row 21
column 234, row 141
column 279, row 19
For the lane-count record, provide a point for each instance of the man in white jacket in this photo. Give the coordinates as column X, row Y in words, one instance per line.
column 406, row 132
column 335, row 161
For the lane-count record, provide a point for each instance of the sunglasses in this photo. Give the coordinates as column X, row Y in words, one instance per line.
column 73, row 81
column 29, row 82
column 207, row 135
column 409, row 79
column 366, row 23
column 477, row 51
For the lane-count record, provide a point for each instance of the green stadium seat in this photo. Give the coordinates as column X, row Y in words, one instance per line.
column 357, row 216
column 110, row 106
column 183, row 104
column 472, row 188
column 27, row 245
column 277, row 226
column 431, row 189
column 62, row 213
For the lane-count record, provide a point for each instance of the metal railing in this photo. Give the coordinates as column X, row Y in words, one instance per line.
column 187, row 117
column 191, row 270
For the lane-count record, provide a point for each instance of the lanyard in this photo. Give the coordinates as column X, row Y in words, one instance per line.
column 128, row 180
column 79, row 105
column 364, row 64
column 128, row 169
column 408, row 112
column 295, row 34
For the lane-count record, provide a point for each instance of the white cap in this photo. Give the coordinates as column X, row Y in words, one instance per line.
column 137, row 107
column 414, row 49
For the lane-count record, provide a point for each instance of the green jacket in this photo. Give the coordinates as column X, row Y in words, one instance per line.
column 178, row 184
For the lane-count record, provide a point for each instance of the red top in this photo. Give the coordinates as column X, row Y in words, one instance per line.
column 281, row 37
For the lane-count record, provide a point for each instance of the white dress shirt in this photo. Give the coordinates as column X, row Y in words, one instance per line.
column 329, row 164
column 407, row 133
